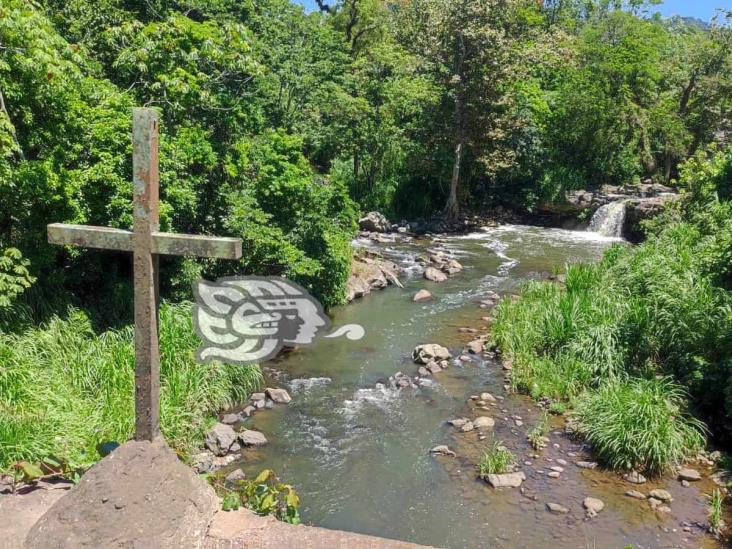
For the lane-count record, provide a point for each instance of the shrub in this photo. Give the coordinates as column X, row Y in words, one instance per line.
column 639, row 424
column 497, row 459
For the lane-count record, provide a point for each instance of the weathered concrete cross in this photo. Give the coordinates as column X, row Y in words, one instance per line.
column 146, row 243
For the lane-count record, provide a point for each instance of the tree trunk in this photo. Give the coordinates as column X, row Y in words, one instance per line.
column 452, row 209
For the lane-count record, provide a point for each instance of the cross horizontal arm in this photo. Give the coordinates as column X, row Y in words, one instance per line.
column 106, row 238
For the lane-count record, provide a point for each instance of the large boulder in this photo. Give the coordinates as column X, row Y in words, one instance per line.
column 140, row 495
column 278, row 396
column 249, row 437
column 506, row 480
column 424, row 354
column 374, row 222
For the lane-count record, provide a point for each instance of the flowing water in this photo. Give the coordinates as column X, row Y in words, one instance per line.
column 357, row 450
column 608, row 220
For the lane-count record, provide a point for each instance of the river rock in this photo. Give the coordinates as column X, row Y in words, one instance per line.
column 593, row 505
column 433, row 367
column 663, row 495
column 374, row 222
column 557, row 509
column 220, row 438
column 249, row 437
column 467, row 330
column 443, row 450
column 230, row 419
column 467, row 427
column 634, row 477
column 553, row 474
column 465, row 358
column 475, row 347
column 256, row 397
column 690, row 475
column 248, row 411
column 557, row 469
column 151, row 499
column 422, row 295
column 487, row 397
column 654, row 503
column 506, row 480
column 484, row 422
column 235, row 476
column 279, row 396
column 587, row 464
column 424, row 372
column 423, row 354
column 452, row 267
column 635, row 494
column 432, row 274
column 459, row 422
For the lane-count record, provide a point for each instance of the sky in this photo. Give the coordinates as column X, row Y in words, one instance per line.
column 702, row 9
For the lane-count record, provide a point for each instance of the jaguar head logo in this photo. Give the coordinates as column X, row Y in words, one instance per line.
column 245, row 320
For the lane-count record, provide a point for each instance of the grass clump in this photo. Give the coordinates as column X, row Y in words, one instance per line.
column 715, row 512
column 537, row 434
column 65, row 389
column 496, row 460
column 639, row 424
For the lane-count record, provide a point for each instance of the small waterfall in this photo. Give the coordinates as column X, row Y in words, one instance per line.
column 609, row 219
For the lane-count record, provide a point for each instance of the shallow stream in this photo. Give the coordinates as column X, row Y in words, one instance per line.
column 359, row 452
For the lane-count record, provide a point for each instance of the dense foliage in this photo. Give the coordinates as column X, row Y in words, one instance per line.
column 663, row 308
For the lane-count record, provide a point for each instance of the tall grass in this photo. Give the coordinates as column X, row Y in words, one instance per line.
column 639, row 424
column 496, row 460
column 65, row 389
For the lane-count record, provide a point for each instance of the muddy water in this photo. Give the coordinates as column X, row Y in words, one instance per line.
column 358, row 451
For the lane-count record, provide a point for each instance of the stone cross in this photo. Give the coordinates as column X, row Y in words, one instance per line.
column 146, row 243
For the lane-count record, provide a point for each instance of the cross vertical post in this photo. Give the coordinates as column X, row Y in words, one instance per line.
column 146, row 221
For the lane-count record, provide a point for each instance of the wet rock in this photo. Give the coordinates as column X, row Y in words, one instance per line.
column 433, row 367
column 634, row 477
column 220, row 438
column 279, row 396
column 553, row 474
column 557, row 469
column 256, row 397
column 635, row 494
column 259, row 404
column 443, row 450
column 467, row 427
column 663, row 509
column 457, row 423
column 248, row 411
column 452, row 267
column 475, row 347
column 518, row 422
column 203, row 462
column 487, row 397
column 587, row 464
column 557, row 509
column 663, row 495
column 561, row 461
column 484, row 422
column 374, row 222
column 249, row 437
column 423, row 354
column 432, row 274
column 424, row 372
column 690, row 475
column 593, row 505
column 654, row 503
column 465, row 358
column 506, row 480
column 230, row 419
column 467, row 330
column 422, row 295
column 507, row 366
column 235, row 476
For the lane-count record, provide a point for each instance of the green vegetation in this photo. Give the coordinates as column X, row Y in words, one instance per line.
column 715, row 511
column 663, row 308
column 65, row 390
column 496, row 460
column 536, row 435
column 265, row 495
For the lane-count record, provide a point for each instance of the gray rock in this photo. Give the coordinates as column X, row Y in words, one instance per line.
column 654, row 503
column 634, row 477
column 230, row 419
column 422, row 295
column 424, row 372
column 152, row 500
column 374, row 222
column 433, row 367
column 257, row 397
column 484, row 422
column 635, row 494
column 587, row 464
column 249, row 437
column 248, row 411
column 487, row 397
column 220, row 438
column 593, row 505
column 423, row 354
column 553, row 474
column 467, row 427
column 235, row 476
column 691, row 475
column 279, row 396
column 475, row 347
column 432, row 274
column 457, row 423
column 442, row 450
column 556, row 508
column 663, row 495
column 506, row 480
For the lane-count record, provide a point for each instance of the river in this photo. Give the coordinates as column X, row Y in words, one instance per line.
column 357, row 451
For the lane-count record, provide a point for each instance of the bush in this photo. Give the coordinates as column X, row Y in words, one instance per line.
column 64, row 389
column 639, row 424
column 496, row 460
